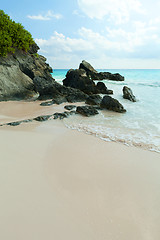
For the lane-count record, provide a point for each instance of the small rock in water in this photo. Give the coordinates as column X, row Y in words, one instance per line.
column 128, row 94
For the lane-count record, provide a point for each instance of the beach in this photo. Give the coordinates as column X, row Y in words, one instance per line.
column 58, row 183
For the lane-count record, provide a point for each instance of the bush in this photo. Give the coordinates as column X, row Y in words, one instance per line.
column 13, row 35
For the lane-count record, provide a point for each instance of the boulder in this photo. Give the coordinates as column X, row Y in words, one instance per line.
column 112, row 104
column 86, row 111
column 94, row 100
column 78, row 79
column 128, row 94
column 94, row 75
column 101, row 88
column 87, row 67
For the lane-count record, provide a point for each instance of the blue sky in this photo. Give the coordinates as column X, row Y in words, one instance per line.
column 106, row 33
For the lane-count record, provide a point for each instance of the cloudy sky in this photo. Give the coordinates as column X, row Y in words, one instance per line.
column 107, row 33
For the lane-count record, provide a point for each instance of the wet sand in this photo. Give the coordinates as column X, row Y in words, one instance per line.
column 57, row 183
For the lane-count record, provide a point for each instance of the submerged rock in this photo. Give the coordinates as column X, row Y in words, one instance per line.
column 112, row 104
column 128, row 94
column 87, row 111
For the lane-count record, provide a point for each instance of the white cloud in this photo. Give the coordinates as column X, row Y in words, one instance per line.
column 113, row 46
column 46, row 17
column 117, row 10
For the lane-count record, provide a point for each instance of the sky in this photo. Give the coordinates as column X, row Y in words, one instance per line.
column 110, row 34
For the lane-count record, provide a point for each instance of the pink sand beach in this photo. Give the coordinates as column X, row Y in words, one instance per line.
column 58, row 183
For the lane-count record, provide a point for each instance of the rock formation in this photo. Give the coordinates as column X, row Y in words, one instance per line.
column 27, row 76
column 82, row 79
column 94, row 75
column 112, row 104
column 78, row 79
column 17, row 72
column 128, row 94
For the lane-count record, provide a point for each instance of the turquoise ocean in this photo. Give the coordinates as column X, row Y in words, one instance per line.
column 140, row 125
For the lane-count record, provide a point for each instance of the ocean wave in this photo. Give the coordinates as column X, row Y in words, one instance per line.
column 128, row 140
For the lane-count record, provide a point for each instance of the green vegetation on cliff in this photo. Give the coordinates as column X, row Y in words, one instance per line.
column 13, row 35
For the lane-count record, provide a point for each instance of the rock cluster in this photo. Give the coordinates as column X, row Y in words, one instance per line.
column 94, row 75
column 28, row 76
column 83, row 77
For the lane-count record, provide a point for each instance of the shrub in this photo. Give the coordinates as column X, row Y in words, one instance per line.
column 12, row 36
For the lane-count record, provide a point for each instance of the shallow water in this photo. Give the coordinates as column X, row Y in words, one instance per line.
column 140, row 125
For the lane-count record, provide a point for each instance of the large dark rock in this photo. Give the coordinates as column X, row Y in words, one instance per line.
column 94, row 100
column 111, row 76
column 75, row 95
column 79, row 80
column 87, row 67
column 112, row 104
column 50, row 89
column 86, row 110
column 101, row 88
column 128, row 94
column 94, row 75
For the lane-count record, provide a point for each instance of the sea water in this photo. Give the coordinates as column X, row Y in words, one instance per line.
column 140, row 125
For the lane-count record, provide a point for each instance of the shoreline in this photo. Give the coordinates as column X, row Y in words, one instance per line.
column 54, row 178
column 12, row 111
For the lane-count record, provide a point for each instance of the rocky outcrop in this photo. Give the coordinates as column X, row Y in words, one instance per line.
column 83, row 77
column 112, row 104
column 94, row 75
column 28, row 76
column 87, row 111
column 18, row 71
column 128, row 94
column 78, row 79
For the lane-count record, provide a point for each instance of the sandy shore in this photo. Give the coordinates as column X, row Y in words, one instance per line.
column 56, row 183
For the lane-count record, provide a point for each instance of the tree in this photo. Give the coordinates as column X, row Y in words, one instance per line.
column 13, row 36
